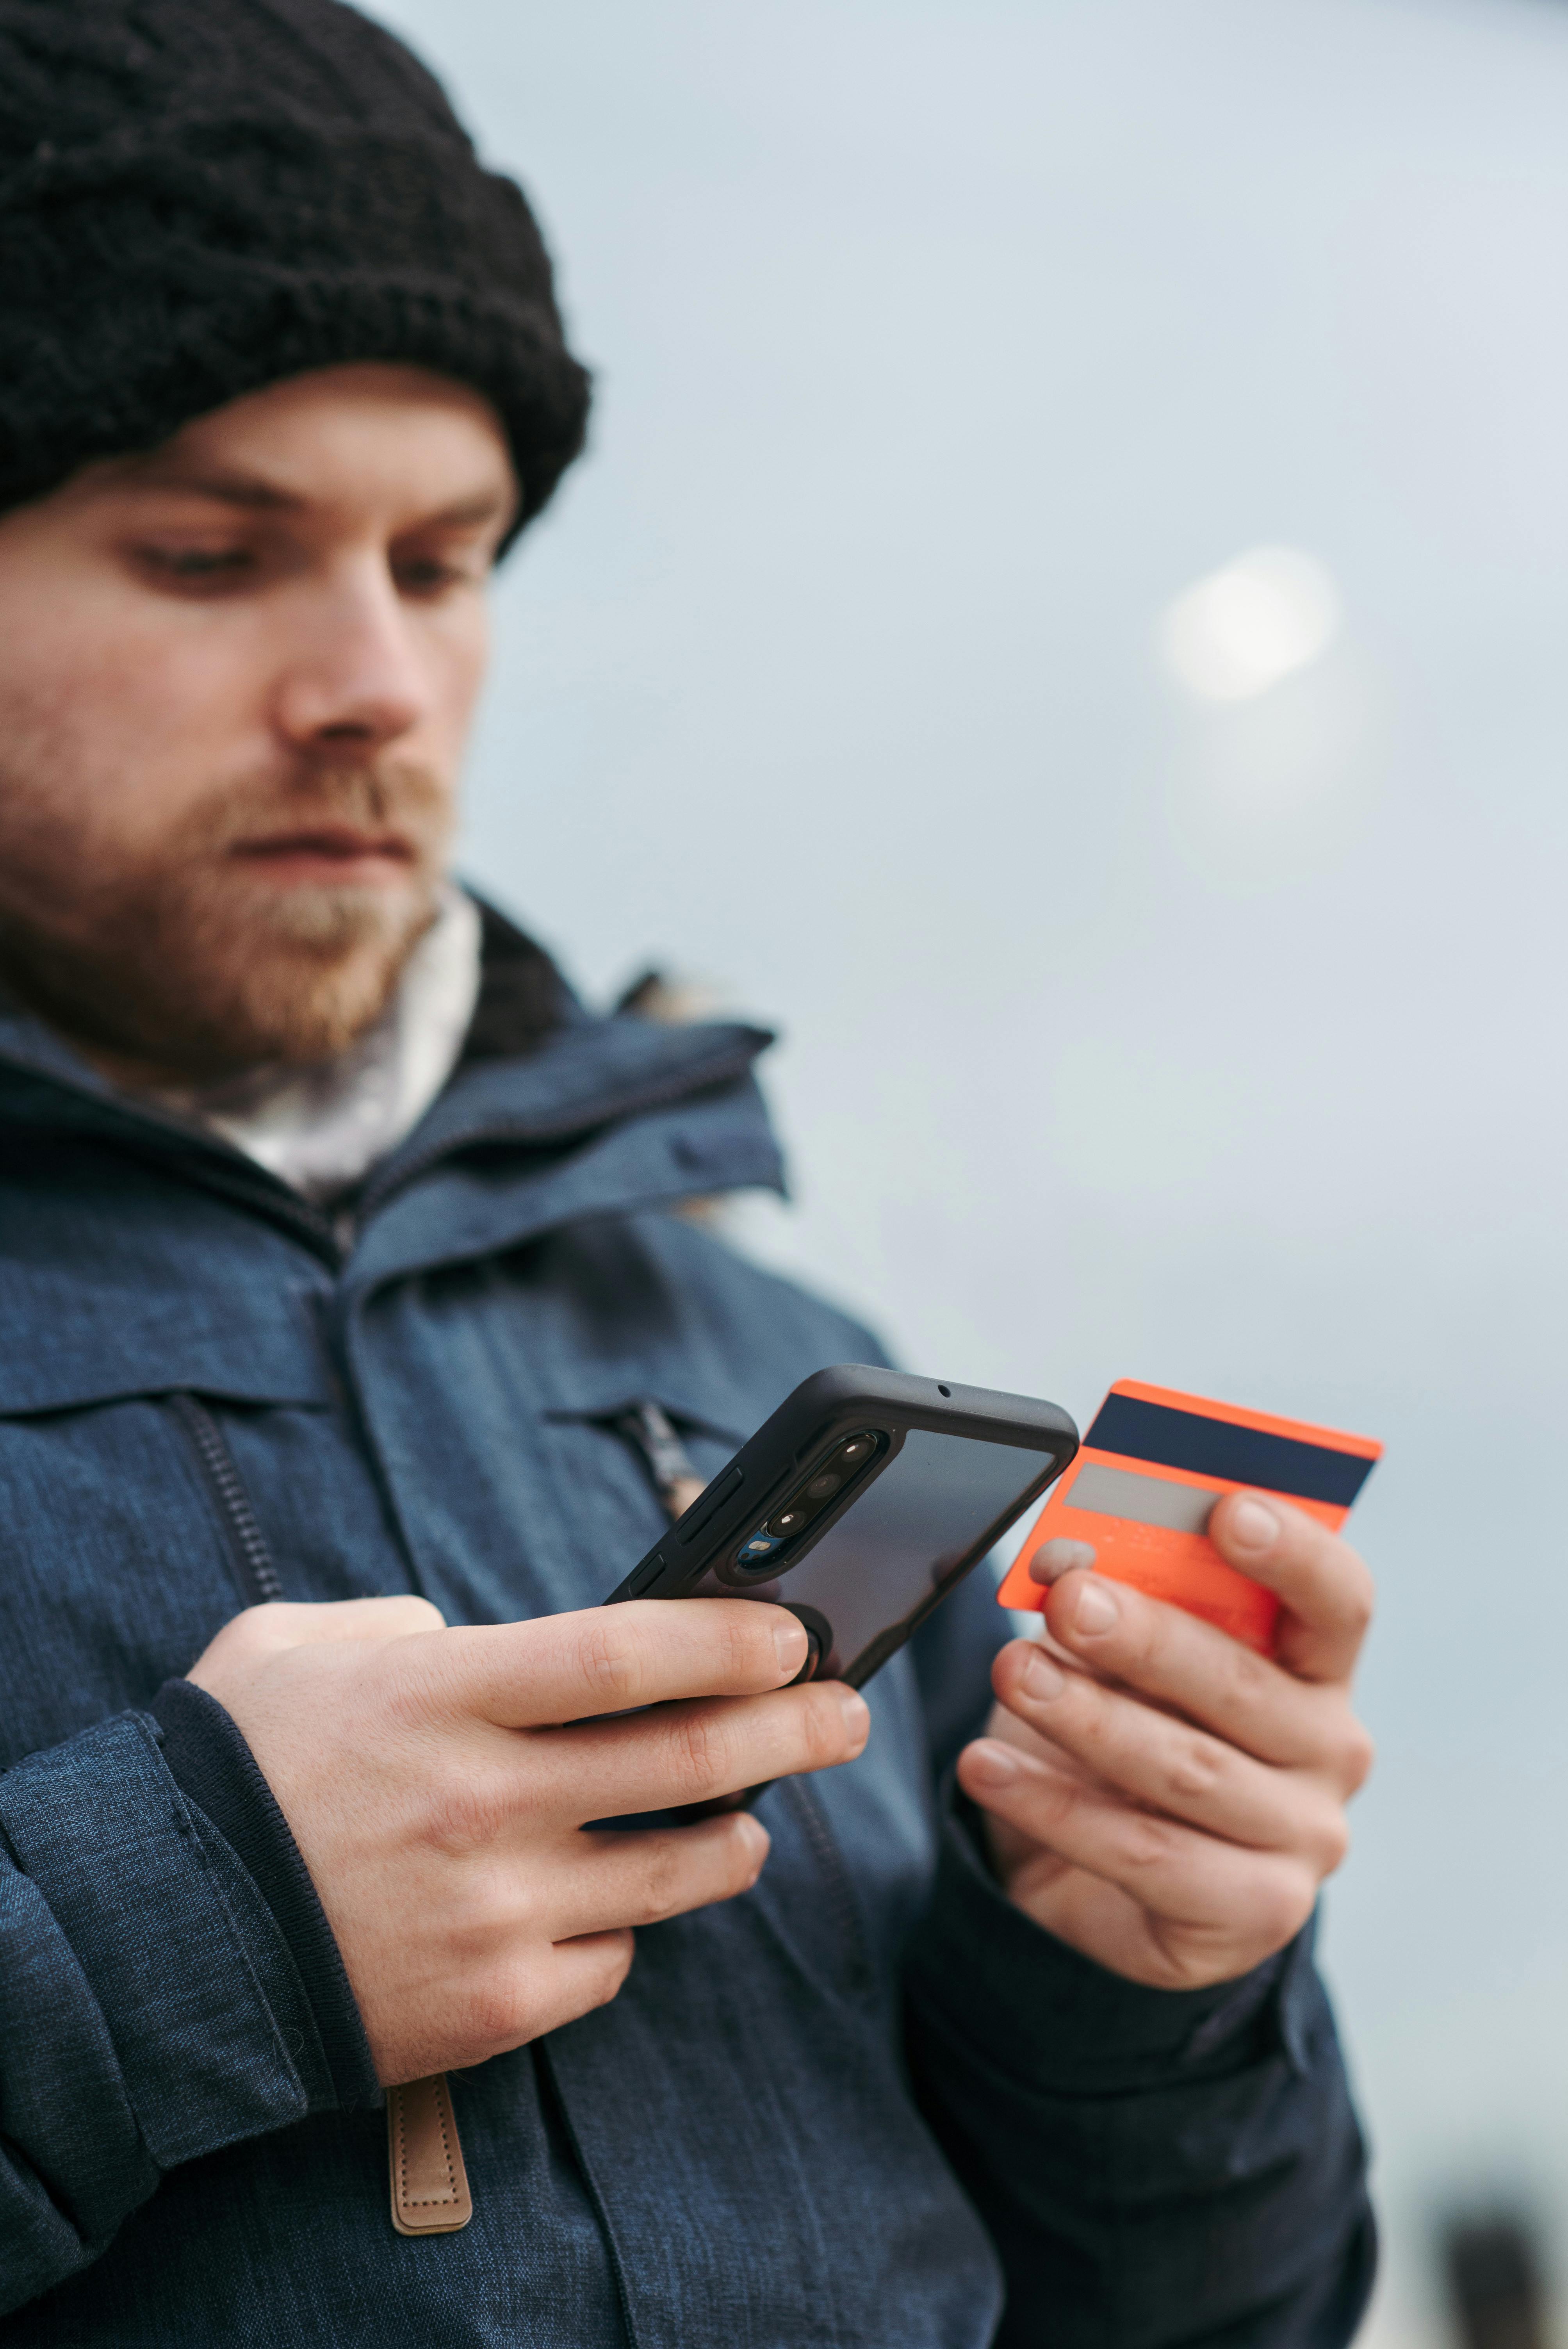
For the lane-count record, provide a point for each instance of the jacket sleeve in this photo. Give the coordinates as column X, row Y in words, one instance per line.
column 152, row 2007
column 1154, row 2166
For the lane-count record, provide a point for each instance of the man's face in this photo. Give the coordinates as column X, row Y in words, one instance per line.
column 236, row 675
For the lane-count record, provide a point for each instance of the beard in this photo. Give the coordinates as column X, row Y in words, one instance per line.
column 197, row 962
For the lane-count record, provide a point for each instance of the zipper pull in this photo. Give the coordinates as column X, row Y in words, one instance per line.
column 429, row 2182
column 675, row 1480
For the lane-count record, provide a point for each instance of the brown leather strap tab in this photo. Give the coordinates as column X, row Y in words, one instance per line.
column 430, row 2184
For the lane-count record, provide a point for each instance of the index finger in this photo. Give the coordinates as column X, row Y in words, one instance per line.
column 599, row 1660
column 1179, row 1664
column 1326, row 1591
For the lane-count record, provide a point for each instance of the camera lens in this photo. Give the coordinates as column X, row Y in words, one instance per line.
column 820, row 1487
column 857, row 1449
column 787, row 1521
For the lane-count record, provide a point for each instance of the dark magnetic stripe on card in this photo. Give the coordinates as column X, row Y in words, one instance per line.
column 1218, row 1448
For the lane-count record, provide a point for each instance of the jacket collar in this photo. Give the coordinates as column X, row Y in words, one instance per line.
column 542, row 1082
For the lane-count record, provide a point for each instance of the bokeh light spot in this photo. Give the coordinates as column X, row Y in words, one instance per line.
column 1241, row 629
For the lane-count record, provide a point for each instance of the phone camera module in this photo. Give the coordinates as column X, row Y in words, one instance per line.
column 807, row 1502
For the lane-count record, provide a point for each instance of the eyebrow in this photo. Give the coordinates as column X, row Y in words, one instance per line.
column 249, row 491
column 253, row 494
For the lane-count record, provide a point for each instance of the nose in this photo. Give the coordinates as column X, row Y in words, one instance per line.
column 353, row 681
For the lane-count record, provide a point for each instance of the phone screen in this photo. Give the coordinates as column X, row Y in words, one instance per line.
column 903, row 1536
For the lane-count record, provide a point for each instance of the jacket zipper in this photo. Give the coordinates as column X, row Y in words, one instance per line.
column 258, row 1574
column 806, row 1804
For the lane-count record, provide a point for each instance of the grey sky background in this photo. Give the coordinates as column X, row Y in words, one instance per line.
column 939, row 345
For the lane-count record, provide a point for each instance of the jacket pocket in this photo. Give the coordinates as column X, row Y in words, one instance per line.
column 125, row 1537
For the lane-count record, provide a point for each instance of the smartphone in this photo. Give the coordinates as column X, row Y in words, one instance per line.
column 859, row 1506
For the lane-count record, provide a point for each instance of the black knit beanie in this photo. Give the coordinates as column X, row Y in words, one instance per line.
column 200, row 197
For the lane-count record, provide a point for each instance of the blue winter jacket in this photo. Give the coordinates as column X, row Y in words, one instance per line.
column 869, row 2102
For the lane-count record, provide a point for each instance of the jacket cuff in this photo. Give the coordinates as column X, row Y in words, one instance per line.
column 175, row 1967
column 213, row 1768
column 1030, row 2006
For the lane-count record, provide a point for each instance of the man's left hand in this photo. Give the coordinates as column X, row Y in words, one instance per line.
column 1170, row 1809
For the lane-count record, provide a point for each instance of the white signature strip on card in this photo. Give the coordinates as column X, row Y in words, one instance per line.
column 1147, row 1500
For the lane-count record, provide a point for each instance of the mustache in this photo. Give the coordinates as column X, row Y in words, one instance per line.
column 384, row 795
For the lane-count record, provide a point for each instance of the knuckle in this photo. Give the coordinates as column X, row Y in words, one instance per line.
column 500, row 2009
column 1356, row 1754
column 1196, row 1768
column 1282, row 1901
column 1094, row 1731
column 410, row 1615
column 483, row 1919
column 255, row 1632
column 609, row 1663
column 609, row 1977
column 1144, row 1631
column 1252, row 1677
column 1357, row 1599
column 1336, row 1586
column 662, row 1882
column 468, row 1806
column 1152, row 1842
column 1050, row 1806
column 698, row 1747
column 412, row 1688
column 1331, row 1840
column 745, row 1650
column 824, row 1734
column 1059, row 1797
column 263, row 1626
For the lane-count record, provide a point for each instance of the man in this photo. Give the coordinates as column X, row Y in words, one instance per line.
column 350, row 1342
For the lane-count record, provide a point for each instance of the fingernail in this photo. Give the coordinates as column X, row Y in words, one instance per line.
column 789, row 1644
column 857, row 1713
column 1095, row 1609
column 1252, row 1525
column 993, row 1765
column 1058, row 1557
column 1042, row 1680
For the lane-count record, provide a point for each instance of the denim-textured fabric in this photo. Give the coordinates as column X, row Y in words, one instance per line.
column 830, row 2113
column 216, row 1771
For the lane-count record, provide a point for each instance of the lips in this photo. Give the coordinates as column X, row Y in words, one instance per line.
column 336, row 844
column 329, row 855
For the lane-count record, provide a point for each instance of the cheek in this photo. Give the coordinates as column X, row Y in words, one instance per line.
column 459, row 657
column 188, row 693
column 124, row 719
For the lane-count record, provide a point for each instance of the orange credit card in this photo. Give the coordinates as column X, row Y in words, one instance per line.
column 1152, row 1466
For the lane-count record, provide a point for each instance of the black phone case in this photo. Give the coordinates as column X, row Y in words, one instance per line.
column 823, row 1410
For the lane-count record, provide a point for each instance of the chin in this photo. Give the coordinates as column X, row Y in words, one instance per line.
column 332, row 918
column 297, row 976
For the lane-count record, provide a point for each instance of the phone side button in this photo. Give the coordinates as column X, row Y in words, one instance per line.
column 648, row 1572
column 703, row 1508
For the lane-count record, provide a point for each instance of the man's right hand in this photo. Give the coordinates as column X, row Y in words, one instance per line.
column 437, row 1782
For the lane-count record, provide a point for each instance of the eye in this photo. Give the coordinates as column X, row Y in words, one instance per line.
column 421, row 572
column 434, row 574
column 197, row 567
